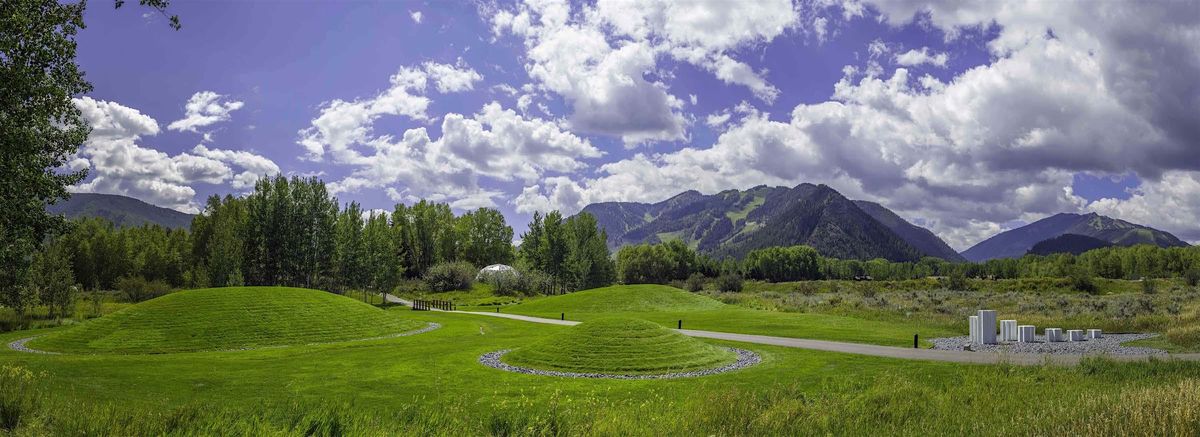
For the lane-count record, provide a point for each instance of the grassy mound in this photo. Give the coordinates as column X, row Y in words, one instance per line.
column 227, row 318
column 622, row 298
column 620, row 345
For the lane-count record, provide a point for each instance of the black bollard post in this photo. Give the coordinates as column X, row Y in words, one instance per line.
column 914, row 341
column 562, row 316
column 497, row 309
column 680, row 324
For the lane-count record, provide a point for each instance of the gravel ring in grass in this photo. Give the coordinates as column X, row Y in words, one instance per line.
column 19, row 345
column 745, row 359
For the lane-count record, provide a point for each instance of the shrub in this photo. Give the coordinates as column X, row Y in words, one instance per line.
column 138, row 289
column 411, row 286
column 533, row 282
column 450, row 276
column 1192, row 277
column 1149, row 286
column 1081, row 280
column 505, row 283
column 958, row 281
column 805, row 288
column 1186, row 335
column 694, row 283
column 729, row 282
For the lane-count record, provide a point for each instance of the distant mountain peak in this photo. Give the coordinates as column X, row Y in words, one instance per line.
column 1016, row 242
column 734, row 222
column 123, row 211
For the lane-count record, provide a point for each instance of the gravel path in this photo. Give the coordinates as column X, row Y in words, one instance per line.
column 19, row 345
column 955, row 356
column 1110, row 344
column 745, row 359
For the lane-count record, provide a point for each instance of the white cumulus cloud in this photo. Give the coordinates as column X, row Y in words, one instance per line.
column 119, row 164
column 205, row 108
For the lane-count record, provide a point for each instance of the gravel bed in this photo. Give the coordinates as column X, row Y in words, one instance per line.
column 20, row 346
column 745, row 359
column 1110, row 344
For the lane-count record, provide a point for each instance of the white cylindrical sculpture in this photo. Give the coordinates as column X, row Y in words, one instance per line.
column 1095, row 333
column 1025, row 334
column 1008, row 330
column 974, row 322
column 987, row 326
column 1053, row 335
column 1074, row 335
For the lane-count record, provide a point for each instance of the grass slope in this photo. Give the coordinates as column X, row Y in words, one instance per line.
column 432, row 384
column 620, row 345
column 622, row 298
column 668, row 305
column 227, row 318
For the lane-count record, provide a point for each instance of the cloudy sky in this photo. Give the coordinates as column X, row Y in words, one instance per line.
column 965, row 117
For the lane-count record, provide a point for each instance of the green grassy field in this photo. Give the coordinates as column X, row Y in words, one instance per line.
column 620, row 345
column 432, row 384
column 227, row 318
column 668, row 305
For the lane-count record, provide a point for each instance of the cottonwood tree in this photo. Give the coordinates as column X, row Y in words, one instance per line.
column 573, row 252
column 40, row 128
column 51, row 277
column 485, row 238
column 350, row 256
column 383, row 267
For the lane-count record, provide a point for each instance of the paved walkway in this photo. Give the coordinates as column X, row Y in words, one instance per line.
column 870, row 349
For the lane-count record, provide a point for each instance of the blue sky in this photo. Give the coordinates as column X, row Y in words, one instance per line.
column 967, row 118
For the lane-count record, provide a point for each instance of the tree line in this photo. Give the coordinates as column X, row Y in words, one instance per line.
column 292, row 232
column 675, row 261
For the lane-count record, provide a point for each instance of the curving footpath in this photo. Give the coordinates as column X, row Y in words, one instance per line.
column 875, row 350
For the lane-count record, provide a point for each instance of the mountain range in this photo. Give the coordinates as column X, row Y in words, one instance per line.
column 735, row 222
column 121, row 210
column 1017, row 242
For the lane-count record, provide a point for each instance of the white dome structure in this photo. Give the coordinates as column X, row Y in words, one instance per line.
column 495, row 269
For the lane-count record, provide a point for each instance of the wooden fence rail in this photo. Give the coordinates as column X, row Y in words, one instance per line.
column 426, row 305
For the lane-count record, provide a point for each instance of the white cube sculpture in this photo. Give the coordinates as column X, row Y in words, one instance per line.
column 987, row 326
column 1075, row 335
column 1025, row 334
column 1054, row 335
column 974, row 322
column 1094, row 333
column 1008, row 330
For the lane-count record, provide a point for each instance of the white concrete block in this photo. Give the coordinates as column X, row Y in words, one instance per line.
column 973, row 321
column 1025, row 334
column 987, row 326
column 1095, row 333
column 1008, row 330
column 1075, row 335
column 1054, row 335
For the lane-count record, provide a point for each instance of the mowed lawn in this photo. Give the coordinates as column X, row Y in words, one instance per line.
column 432, row 383
column 228, row 318
column 620, row 345
column 668, row 306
